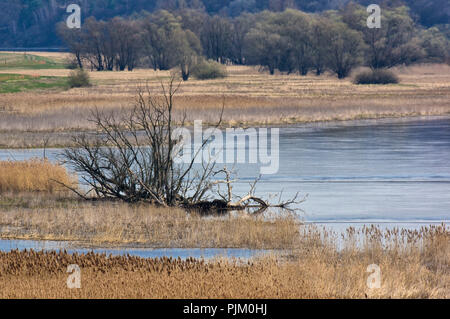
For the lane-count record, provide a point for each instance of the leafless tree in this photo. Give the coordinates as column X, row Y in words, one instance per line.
column 132, row 158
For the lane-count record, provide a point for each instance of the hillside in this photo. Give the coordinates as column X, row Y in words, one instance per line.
column 31, row 23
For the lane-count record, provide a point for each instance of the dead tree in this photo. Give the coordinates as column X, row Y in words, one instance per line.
column 131, row 158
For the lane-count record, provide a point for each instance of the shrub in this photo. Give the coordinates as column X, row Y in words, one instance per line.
column 209, row 70
column 79, row 78
column 376, row 77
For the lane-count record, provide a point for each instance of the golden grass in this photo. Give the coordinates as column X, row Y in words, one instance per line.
column 34, row 175
column 316, row 270
column 252, row 98
column 144, row 225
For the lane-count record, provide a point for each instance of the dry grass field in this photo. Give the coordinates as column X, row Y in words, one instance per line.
column 412, row 264
column 251, row 98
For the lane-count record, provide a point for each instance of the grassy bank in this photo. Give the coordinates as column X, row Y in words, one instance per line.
column 34, row 205
column 315, row 270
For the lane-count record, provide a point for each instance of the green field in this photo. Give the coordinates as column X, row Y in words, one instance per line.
column 13, row 83
column 29, row 62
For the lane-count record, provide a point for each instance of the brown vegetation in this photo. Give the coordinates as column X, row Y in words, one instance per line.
column 413, row 265
column 43, row 218
column 33, row 176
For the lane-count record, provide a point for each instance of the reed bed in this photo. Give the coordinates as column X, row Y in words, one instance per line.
column 35, row 175
column 143, row 225
column 315, row 270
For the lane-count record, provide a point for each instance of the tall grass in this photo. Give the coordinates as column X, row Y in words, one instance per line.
column 316, row 270
column 34, row 175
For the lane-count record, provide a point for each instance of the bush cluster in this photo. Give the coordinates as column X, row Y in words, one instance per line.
column 209, row 70
column 381, row 76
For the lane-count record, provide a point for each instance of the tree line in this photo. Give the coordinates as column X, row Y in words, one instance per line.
column 289, row 41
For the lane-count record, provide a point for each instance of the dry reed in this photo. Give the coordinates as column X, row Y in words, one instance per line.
column 315, row 270
column 33, row 175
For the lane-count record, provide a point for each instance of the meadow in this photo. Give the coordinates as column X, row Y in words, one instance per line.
column 251, row 98
column 35, row 217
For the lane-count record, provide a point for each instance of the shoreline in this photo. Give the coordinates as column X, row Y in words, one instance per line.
column 370, row 121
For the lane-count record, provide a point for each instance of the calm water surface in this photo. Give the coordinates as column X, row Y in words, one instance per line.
column 183, row 253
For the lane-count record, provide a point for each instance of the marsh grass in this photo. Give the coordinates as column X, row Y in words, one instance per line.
column 34, row 175
column 38, row 217
column 419, row 268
